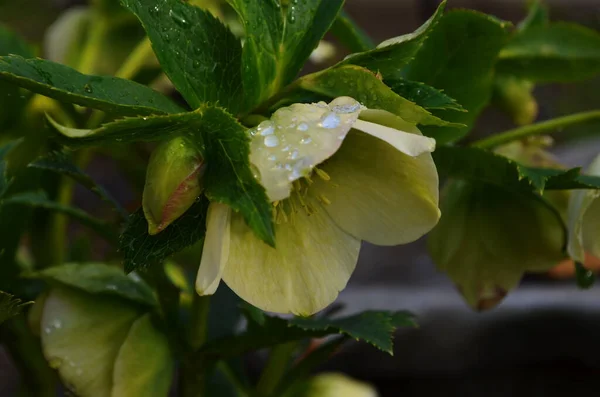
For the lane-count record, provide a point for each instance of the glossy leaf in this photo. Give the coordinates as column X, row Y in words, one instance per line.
column 423, row 95
column 459, row 58
column 60, row 163
column 199, row 54
column 350, row 34
column 10, row 306
column 60, row 82
column 484, row 166
column 101, row 279
column 392, row 55
column 374, row 327
column 38, row 199
column 364, row 86
column 141, row 250
column 279, row 40
column 558, row 52
column 222, row 142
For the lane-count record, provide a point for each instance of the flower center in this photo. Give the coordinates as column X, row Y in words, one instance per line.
column 284, row 211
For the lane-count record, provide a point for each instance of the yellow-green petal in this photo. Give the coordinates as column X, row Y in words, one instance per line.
column 313, row 261
column 338, row 385
column 377, row 193
column 216, row 249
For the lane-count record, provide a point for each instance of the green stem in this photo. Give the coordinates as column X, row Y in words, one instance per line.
column 198, row 330
column 91, row 52
column 276, row 367
column 136, row 60
column 544, row 127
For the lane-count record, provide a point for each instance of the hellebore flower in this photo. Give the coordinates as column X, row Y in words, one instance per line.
column 337, row 385
column 583, row 216
column 334, row 180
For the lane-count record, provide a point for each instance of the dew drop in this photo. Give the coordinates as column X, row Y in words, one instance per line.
column 271, row 141
column 88, row 88
column 272, row 157
column 302, row 127
column 306, row 140
column 47, row 330
column 167, row 37
column 154, row 10
column 179, row 19
column 294, row 155
column 255, row 171
column 111, row 287
column 266, row 128
column 331, row 120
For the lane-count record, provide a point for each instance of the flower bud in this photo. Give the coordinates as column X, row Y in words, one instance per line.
column 338, row 385
column 514, row 96
column 173, row 182
column 488, row 237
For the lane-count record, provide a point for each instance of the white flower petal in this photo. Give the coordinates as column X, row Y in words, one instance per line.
column 216, row 248
column 312, row 262
column 379, row 194
column 410, row 144
column 296, row 139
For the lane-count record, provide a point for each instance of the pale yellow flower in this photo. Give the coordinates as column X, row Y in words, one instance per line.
column 334, row 180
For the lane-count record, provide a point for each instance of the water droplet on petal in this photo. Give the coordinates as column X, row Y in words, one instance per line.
column 330, row 121
column 306, row 140
column 302, row 127
column 271, row 141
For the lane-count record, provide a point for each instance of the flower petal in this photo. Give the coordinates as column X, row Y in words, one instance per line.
column 410, row 144
column 216, row 248
column 312, row 263
column 296, row 139
column 377, row 193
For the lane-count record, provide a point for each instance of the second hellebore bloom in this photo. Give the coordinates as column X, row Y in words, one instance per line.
column 334, row 180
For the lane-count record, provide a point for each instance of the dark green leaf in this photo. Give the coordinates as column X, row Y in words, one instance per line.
column 484, row 166
column 559, row 52
column 459, row 58
column 393, row 54
column 10, row 306
column 5, row 180
column 40, row 200
column 11, row 43
column 374, row 327
column 279, row 39
column 423, row 95
column 364, row 86
column 224, row 145
column 60, row 163
column 99, row 278
column 198, row 53
column 141, row 250
column 60, row 82
column 537, row 15
column 350, row 34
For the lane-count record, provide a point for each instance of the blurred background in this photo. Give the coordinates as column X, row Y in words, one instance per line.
column 543, row 340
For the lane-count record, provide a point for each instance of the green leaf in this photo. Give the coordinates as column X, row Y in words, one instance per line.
column 374, row 327
column 537, row 15
column 10, row 306
column 222, row 142
column 60, row 82
column 364, row 86
column 97, row 345
column 141, row 250
column 38, row 199
column 350, row 34
column 5, row 180
column 99, row 278
column 423, row 95
column 392, row 55
column 279, row 40
column 145, row 364
column 60, row 163
column 459, row 58
column 559, row 52
column 488, row 167
column 11, row 100
column 199, row 54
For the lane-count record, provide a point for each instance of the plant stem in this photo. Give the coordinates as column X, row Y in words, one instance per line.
column 543, row 127
column 91, row 52
column 198, row 330
column 135, row 60
column 276, row 367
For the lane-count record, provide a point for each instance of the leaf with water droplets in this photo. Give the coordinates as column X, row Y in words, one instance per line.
column 10, row 306
column 278, row 42
column 199, row 54
column 101, row 279
column 60, row 82
column 423, row 95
